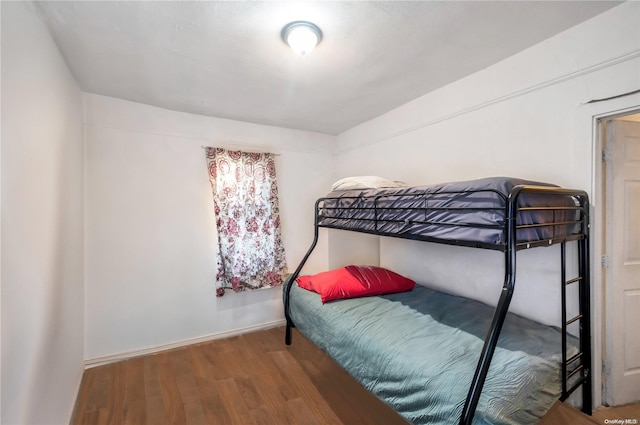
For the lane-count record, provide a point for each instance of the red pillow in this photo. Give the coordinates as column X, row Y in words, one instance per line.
column 355, row 281
column 329, row 284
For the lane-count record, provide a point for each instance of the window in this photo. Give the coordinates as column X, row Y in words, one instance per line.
column 250, row 253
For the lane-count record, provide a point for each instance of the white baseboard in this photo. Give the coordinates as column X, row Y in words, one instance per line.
column 99, row 361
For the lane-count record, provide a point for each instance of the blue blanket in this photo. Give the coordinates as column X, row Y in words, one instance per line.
column 417, row 351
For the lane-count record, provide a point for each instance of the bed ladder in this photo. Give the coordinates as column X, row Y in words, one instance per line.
column 577, row 368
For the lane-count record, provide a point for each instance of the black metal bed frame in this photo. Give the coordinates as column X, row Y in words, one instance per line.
column 576, row 370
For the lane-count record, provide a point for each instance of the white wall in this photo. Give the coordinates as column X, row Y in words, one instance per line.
column 517, row 117
column 150, row 234
column 522, row 117
column 346, row 248
column 42, row 225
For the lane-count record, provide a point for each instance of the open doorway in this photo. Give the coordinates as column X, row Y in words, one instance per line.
column 620, row 209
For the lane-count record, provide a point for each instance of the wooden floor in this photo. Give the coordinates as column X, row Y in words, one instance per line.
column 252, row 379
column 563, row 414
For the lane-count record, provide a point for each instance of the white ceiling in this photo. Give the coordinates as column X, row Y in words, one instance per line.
column 226, row 59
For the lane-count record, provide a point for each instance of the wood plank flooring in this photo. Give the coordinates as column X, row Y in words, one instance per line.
column 564, row 414
column 628, row 414
column 252, row 379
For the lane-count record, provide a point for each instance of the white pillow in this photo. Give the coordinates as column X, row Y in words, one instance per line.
column 365, row 182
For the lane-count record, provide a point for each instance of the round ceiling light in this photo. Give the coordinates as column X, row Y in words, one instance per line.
column 301, row 36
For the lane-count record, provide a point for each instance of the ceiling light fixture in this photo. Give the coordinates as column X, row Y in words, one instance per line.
column 301, row 36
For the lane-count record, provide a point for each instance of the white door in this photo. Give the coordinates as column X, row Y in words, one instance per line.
column 622, row 261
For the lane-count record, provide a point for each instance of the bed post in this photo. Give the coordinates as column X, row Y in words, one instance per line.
column 292, row 277
column 585, row 308
column 500, row 314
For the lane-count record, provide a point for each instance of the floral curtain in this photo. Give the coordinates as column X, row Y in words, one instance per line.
column 245, row 195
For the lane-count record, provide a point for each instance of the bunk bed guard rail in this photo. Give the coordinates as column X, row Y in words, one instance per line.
column 570, row 222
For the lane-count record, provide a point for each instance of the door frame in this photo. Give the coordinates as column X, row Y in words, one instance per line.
column 588, row 127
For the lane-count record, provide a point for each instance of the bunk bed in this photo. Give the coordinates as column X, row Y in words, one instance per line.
column 394, row 333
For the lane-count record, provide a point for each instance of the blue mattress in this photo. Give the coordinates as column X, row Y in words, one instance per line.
column 417, row 351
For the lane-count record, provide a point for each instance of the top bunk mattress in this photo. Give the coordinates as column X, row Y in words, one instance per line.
column 469, row 213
